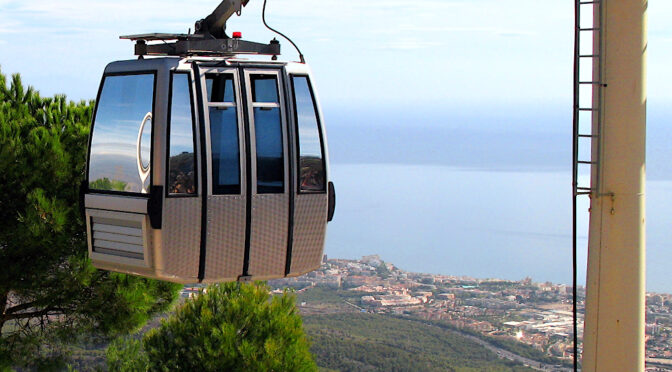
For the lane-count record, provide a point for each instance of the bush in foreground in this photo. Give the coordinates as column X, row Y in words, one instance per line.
column 229, row 327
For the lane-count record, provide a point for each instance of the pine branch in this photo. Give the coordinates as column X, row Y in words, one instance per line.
column 20, row 307
column 35, row 314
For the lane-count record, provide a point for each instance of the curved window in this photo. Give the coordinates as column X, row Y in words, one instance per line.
column 121, row 141
column 311, row 158
column 181, row 156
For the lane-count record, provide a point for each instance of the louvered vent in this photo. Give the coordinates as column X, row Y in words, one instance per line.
column 117, row 237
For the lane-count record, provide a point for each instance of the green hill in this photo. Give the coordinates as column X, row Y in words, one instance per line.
column 373, row 342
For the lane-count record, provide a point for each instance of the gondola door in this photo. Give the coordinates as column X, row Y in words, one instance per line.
column 269, row 168
column 182, row 207
column 223, row 255
column 247, row 204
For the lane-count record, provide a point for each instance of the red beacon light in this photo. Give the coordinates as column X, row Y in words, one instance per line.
column 237, row 34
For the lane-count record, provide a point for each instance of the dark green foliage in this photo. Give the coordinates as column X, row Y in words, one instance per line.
column 383, row 271
column 329, row 296
column 49, row 292
column 230, row 327
column 126, row 354
column 105, row 184
column 368, row 342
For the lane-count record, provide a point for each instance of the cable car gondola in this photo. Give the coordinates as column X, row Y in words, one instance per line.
column 203, row 167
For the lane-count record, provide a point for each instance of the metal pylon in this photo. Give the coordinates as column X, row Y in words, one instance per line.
column 587, row 119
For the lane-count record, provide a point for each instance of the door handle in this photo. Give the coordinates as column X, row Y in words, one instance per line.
column 143, row 171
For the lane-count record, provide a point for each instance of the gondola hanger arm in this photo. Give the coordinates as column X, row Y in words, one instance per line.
column 215, row 24
column 209, row 38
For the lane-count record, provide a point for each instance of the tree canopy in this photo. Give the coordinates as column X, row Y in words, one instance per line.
column 49, row 291
column 229, row 327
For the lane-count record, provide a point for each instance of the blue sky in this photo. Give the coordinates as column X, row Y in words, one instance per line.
column 453, row 53
column 455, row 77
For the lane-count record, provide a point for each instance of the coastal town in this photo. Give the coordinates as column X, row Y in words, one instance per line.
column 536, row 314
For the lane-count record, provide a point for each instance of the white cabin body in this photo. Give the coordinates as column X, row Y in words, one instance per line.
column 207, row 170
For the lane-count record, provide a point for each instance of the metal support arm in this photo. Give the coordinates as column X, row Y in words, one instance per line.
column 209, row 39
column 214, row 25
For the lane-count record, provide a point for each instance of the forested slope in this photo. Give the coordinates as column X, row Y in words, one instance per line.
column 372, row 342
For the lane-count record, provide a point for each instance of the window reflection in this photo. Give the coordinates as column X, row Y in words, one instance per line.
column 311, row 164
column 225, row 150
column 220, row 87
column 270, row 163
column 182, row 160
column 264, row 88
column 124, row 102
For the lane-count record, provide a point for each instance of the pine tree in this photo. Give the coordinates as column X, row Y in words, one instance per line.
column 229, row 327
column 49, row 292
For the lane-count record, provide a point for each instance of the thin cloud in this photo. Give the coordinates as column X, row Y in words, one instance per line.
column 9, row 27
column 514, row 33
column 78, row 15
column 409, row 44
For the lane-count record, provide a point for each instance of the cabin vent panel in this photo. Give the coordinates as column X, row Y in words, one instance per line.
column 118, row 237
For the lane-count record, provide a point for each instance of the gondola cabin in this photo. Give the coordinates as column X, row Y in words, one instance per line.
column 207, row 169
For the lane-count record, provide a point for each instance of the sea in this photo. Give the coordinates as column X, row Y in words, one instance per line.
column 472, row 198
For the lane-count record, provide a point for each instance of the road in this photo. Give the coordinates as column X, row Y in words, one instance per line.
column 505, row 354
column 502, row 353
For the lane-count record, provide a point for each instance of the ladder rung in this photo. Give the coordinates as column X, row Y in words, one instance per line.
column 585, row 162
column 590, row 82
column 584, row 192
column 589, row 56
column 589, row 29
column 587, row 109
column 587, row 135
column 589, row 2
column 584, row 188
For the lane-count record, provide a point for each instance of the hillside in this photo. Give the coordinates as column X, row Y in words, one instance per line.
column 374, row 342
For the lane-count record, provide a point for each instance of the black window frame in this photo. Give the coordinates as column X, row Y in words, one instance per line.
column 318, row 119
column 194, row 132
column 154, row 73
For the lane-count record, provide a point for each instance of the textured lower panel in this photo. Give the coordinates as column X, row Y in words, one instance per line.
column 181, row 236
column 268, row 241
column 226, row 238
column 310, row 226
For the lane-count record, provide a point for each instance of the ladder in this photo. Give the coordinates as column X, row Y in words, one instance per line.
column 587, row 119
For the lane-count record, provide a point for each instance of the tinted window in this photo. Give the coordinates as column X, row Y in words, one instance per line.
column 311, row 163
column 220, row 87
column 270, row 163
column 225, row 151
column 264, row 88
column 268, row 134
column 125, row 102
column 182, row 159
